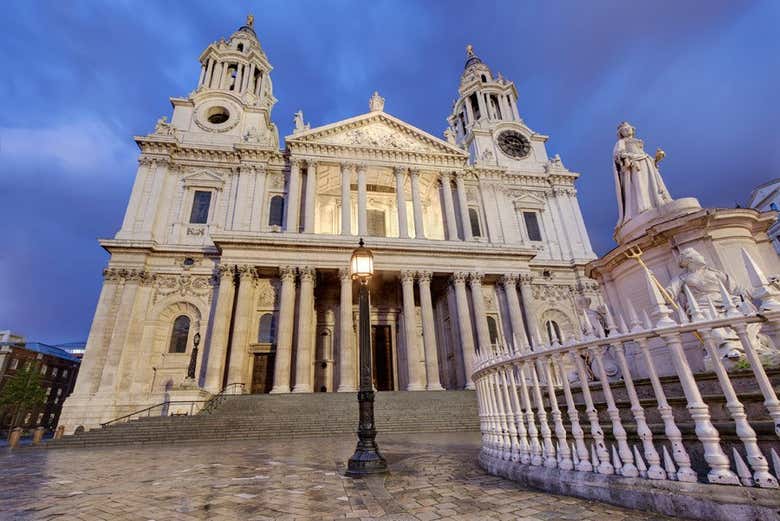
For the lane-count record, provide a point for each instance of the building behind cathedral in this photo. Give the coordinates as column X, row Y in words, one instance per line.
column 478, row 239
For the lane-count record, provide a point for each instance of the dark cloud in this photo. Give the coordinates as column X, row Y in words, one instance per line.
column 81, row 78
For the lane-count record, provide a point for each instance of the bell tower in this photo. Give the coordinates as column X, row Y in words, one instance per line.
column 234, row 96
column 486, row 122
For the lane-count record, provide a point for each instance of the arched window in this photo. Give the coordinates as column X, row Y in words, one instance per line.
column 180, row 334
column 266, row 333
column 276, row 213
column 492, row 330
column 484, row 78
column 553, row 331
column 240, row 47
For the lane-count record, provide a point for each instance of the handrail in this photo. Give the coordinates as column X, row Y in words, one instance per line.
column 149, row 409
column 218, row 398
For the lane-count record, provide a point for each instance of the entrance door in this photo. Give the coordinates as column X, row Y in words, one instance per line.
column 263, row 373
column 382, row 357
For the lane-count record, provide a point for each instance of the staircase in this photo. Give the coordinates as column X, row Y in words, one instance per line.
column 283, row 416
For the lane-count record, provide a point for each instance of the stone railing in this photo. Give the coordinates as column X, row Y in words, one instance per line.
column 529, row 401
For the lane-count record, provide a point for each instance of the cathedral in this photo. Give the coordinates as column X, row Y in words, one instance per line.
column 239, row 249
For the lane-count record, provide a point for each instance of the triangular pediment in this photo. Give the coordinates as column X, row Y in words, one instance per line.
column 203, row 178
column 376, row 130
column 525, row 199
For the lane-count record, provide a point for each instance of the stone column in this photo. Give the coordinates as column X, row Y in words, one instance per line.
column 526, row 293
column 285, row 333
column 464, row 206
column 429, row 333
column 239, row 78
column 224, row 79
column 362, row 199
column 346, row 338
column 449, row 207
column 346, row 199
column 303, row 361
column 209, row 68
column 202, row 75
column 414, row 358
column 403, row 227
column 237, row 369
column 464, row 325
column 567, row 249
column 250, row 82
column 311, row 197
column 480, row 316
column 258, row 201
column 293, row 197
column 520, row 340
column 219, row 331
column 419, row 230
column 483, row 112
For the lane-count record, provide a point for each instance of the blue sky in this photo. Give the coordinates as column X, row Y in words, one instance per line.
column 699, row 78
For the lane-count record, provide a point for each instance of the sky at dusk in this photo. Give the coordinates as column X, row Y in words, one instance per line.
column 699, row 78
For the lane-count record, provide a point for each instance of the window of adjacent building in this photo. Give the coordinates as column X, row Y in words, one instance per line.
column 492, row 330
column 266, row 333
column 54, row 372
column 476, row 228
column 276, row 212
column 44, row 367
column 51, row 417
column 532, row 226
column 180, row 334
column 553, row 331
column 40, row 417
column 200, row 207
column 14, row 363
column 48, row 391
column 59, row 392
column 64, row 373
column 376, row 223
column 27, row 418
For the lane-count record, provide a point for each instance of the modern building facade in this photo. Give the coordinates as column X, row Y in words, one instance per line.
column 478, row 240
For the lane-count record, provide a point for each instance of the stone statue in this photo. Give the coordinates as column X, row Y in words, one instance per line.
column 163, row 127
column 449, row 135
column 376, row 103
column 638, row 183
column 300, row 126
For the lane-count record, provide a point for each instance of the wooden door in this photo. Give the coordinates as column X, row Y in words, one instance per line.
column 263, row 373
column 382, row 357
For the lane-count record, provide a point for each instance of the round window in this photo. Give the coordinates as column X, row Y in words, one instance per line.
column 218, row 115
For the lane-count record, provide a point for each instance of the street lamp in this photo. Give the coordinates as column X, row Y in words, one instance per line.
column 366, row 459
column 193, row 357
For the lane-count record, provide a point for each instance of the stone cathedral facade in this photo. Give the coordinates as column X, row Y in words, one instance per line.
column 478, row 241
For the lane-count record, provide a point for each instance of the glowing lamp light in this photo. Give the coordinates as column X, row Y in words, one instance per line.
column 362, row 263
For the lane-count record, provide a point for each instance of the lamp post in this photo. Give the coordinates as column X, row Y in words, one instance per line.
column 366, row 459
column 193, row 357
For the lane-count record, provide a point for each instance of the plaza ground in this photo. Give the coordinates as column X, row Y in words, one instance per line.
column 432, row 477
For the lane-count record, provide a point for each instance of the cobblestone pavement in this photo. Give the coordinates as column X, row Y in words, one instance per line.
column 432, row 477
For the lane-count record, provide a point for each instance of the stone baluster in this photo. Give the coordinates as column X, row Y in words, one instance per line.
column 564, row 453
column 346, row 199
column 419, row 229
column 311, row 197
column 449, row 207
column 547, row 445
column 403, row 226
column 283, row 361
column 483, row 417
column 346, row 337
column 655, row 471
column 720, row 471
column 522, row 434
column 493, row 445
column 293, row 196
column 747, row 435
column 362, row 201
column 429, row 332
column 303, row 361
column 463, row 206
column 577, row 433
column 602, row 455
column 505, row 445
column 671, row 431
column 533, row 434
column 628, row 468
column 464, row 325
column 511, row 420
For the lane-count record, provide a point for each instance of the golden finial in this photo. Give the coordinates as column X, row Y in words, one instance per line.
column 470, row 50
column 250, row 20
column 659, row 155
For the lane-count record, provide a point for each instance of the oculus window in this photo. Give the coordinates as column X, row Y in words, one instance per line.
column 200, row 207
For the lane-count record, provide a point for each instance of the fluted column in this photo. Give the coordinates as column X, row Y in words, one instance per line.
column 526, row 293
column 209, row 68
column 346, row 339
column 464, row 206
column 285, row 332
column 464, row 325
column 224, row 79
column 303, row 361
column 419, row 229
column 239, row 78
column 311, row 197
column 237, row 369
column 429, row 333
column 449, row 207
column 219, row 331
column 293, row 197
column 480, row 316
column 202, row 75
column 414, row 358
column 403, row 226
column 362, row 199
column 520, row 342
column 346, row 199
column 250, row 83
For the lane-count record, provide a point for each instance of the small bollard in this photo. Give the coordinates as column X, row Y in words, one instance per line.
column 59, row 432
column 13, row 439
column 37, row 435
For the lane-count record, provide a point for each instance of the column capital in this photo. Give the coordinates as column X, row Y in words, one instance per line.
column 287, row 273
column 459, row 277
column 361, row 167
column 414, row 172
column 526, row 279
column 226, row 270
column 247, row 271
column 307, row 273
column 311, row 163
column 345, row 274
column 510, row 279
column 445, row 174
column 399, row 170
column 424, row 277
column 407, row 276
column 475, row 278
column 296, row 161
column 347, row 166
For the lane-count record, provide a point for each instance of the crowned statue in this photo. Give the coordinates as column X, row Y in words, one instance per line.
column 638, row 182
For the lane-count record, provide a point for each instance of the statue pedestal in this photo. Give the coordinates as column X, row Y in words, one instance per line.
column 718, row 234
column 187, row 399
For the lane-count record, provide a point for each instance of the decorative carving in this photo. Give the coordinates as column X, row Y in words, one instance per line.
column 185, row 285
column 345, row 274
column 407, row 277
column 475, row 278
column 196, row 231
column 287, row 273
column 163, row 128
column 459, row 277
column 509, row 279
column 266, row 293
column 424, row 277
column 307, row 273
column 377, row 135
column 140, row 276
column 247, row 271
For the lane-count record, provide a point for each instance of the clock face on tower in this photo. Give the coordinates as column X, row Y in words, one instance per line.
column 514, row 144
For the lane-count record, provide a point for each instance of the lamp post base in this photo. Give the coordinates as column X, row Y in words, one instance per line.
column 366, row 463
column 366, row 460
